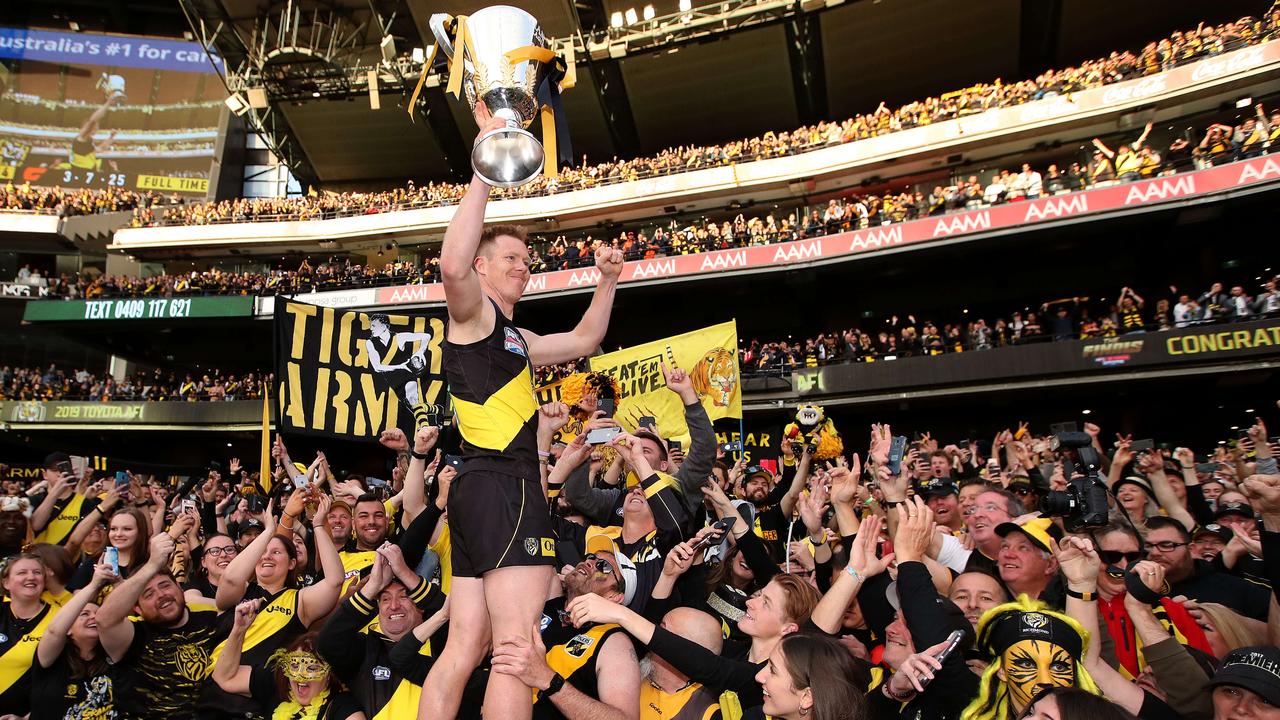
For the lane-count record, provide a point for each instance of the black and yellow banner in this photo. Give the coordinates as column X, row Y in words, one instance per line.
column 350, row 374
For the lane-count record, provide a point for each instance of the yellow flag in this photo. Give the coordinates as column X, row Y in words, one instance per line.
column 709, row 356
column 265, row 479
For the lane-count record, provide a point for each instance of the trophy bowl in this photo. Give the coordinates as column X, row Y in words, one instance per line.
column 511, row 156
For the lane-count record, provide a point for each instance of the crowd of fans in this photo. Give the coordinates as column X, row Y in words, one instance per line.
column 1135, row 160
column 1074, row 318
column 54, row 383
column 1181, row 47
column 66, row 203
column 905, row 580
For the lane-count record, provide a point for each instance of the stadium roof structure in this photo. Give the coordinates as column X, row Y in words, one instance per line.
column 816, row 60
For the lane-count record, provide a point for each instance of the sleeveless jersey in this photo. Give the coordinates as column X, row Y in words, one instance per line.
column 276, row 625
column 66, row 514
column 18, row 640
column 691, row 702
column 491, row 385
column 571, row 653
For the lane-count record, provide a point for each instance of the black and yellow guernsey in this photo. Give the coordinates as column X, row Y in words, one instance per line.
column 361, row 656
column 67, row 513
column 491, row 385
column 276, row 625
column 571, row 653
column 18, row 640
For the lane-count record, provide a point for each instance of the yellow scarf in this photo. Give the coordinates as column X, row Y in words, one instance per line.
column 291, row 710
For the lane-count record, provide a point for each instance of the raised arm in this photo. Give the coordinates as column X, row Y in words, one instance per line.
column 115, row 631
column 82, row 529
column 55, row 635
column 1152, row 464
column 235, row 579
column 863, row 564
column 801, row 478
column 1080, row 564
column 415, row 485
column 44, row 511
column 463, row 295
column 585, row 337
column 319, row 600
column 1143, row 137
column 230, row 675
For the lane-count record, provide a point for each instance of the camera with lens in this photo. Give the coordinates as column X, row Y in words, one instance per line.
column 1084, row 503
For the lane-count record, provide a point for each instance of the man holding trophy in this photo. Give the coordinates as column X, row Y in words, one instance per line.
column 503, row 545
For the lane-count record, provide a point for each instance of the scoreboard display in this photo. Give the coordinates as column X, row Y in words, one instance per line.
column 84, row 110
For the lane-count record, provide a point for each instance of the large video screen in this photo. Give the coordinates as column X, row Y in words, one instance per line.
column 88, row 110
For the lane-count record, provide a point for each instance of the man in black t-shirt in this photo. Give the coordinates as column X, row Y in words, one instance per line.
column 168, row 650
column 1168, row 545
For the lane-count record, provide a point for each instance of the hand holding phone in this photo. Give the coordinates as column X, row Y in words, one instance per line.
column 953, row 642
column 897, row 447
column 602, row 436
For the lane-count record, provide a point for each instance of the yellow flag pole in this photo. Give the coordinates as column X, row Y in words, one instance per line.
column 264, row 468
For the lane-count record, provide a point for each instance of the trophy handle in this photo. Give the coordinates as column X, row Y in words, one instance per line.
column 440, row 23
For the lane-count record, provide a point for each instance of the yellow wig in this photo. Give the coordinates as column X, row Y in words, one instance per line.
column 576, row 385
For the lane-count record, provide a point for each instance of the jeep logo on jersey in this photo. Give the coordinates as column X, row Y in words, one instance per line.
column 514, row 343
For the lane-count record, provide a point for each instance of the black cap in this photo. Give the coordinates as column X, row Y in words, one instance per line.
column 936, row 486
column 1222, row 532
column 247, row 525
column 1234, row 508
column 1256, row 669
column 54, row 459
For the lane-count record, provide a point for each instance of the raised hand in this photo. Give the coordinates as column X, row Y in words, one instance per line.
column 1185, row 457
column 245, row 614
column 906, row 680
column 679, row 382
column 678, row 560
column 1123, row 455
column 844, row 482
column 103, row 575
column 916, row 530
column 425, row 438
column 551, row 417
column 881, row 439
column 862, row 554
column 161, row 546
column 394, row 439
column 1263, row 492
column 1078, row 560
column 810, row 507
column 609, row 261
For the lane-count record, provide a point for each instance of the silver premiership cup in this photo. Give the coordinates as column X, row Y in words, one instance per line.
column 511, row 156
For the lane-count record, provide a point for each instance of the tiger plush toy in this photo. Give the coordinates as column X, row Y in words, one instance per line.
column 813, row 427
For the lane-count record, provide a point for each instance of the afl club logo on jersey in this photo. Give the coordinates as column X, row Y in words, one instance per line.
column 514, row 343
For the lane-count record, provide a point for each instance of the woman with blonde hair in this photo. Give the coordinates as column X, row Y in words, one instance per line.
column 1226, row 631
